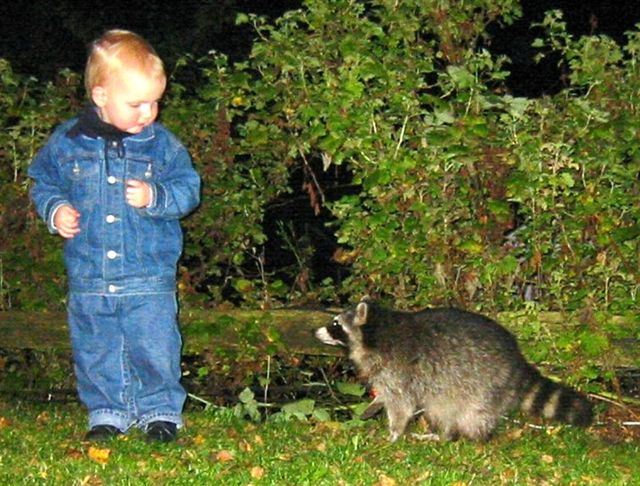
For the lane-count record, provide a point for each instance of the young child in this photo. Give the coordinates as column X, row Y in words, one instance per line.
column 114, row 184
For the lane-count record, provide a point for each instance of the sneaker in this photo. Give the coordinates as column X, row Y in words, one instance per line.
column 161, row 431
column 99, row 433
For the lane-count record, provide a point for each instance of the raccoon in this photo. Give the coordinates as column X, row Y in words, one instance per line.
column 461, row 369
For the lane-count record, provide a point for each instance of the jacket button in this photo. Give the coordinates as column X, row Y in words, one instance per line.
column 110, row 218
column 111, row 254
column 112, row 288
column 112, row 179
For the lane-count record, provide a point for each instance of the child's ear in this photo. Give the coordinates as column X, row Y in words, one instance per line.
column 99, row 96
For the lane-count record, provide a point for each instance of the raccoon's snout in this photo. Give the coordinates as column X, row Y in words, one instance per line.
column 323, row 335
column 333, row 334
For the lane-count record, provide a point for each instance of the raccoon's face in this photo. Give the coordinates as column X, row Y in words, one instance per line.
column 337, row 332
column 345, row 329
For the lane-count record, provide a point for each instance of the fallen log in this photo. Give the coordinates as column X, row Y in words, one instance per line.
column 287, row 330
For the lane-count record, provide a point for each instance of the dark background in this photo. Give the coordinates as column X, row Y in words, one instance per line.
column 39, row 37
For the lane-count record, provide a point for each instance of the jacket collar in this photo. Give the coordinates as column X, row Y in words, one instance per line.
column 91, row 125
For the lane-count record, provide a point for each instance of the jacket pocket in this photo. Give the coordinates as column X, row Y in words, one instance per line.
column 82, row 176
column 140, row 169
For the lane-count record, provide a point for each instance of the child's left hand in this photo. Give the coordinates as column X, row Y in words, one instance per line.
column 138, row 193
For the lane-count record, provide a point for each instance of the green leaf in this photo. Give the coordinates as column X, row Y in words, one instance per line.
column 353, row 389
column 246, row 396
column 461, row 76
column 300, row 408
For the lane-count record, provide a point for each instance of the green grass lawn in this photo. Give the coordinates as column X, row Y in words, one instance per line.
column 42, row 444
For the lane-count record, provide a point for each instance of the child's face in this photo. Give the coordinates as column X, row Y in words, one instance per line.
column 129, row 99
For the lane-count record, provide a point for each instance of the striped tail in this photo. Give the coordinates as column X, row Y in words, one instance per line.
column 554, row 401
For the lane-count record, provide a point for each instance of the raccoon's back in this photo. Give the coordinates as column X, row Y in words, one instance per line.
column 444, row 337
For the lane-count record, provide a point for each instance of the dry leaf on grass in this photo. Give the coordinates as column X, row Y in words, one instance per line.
column 257, row 472
column 101, row 456
column 224, row 456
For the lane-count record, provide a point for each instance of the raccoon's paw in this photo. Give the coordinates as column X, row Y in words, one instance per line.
column 427, row 437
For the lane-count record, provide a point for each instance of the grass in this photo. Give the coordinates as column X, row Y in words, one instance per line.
column 42, row 444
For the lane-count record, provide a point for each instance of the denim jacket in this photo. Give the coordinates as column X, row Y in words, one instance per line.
column 120, row 249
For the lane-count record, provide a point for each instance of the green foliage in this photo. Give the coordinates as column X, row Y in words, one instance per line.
column 406, row 99
column 398, row 94
column 225, row 235
column 31, row 272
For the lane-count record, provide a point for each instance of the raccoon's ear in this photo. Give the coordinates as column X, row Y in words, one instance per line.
column 362, row 311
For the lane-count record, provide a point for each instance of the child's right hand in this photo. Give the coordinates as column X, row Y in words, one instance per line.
column 67, row 221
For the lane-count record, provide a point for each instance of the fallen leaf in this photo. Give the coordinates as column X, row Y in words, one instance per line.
column 198, row 440
column 423, row 477
column 514, row 434
column 386, row 481
column 257, row 472
column 224, row 456
column 43, row 418
column 91, row 481
column 101, row 456
column 4, row 422
column 400, row 456
column 74, row 453
column 158, row 456
column 546, row 458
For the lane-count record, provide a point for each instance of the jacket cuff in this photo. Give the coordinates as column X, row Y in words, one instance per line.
column 158, row 200
column 52, row 214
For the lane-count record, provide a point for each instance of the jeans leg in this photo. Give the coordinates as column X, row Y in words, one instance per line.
column 98, row 352
column 154, row 345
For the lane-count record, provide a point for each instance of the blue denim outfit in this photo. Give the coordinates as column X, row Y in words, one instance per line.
column 121, row 266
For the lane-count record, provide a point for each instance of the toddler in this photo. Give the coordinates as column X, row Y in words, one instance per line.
column 114, row 183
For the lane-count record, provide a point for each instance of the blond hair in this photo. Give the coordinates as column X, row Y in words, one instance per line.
column 116, row 49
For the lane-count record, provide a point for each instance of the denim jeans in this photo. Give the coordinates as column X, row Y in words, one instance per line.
column 126, row 352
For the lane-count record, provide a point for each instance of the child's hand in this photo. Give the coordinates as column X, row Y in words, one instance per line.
column 138, row 193
column 67, row 221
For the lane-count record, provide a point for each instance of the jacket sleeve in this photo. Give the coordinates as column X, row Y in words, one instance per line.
column 48, row 190
column 176, row 192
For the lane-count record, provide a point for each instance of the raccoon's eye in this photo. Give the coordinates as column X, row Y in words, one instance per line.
column 335, row 323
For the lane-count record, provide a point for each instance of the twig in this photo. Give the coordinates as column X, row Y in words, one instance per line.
column 266, row 386
column 206, row 403
column 326, row 380
column 404, row 127
column 609, row 398
column 313, row 175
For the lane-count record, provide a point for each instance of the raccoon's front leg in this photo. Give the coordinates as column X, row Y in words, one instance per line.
column 398, row 414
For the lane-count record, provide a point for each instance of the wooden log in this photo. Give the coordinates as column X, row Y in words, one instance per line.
column 284, row 330
column 201, row 330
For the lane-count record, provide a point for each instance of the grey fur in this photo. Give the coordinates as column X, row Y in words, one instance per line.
column 463, row 370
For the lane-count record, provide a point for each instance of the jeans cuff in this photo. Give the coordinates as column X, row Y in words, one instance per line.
column 175, row 418
column 106, row 416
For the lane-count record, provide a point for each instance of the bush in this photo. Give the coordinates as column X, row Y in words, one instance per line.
column 461, row 193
